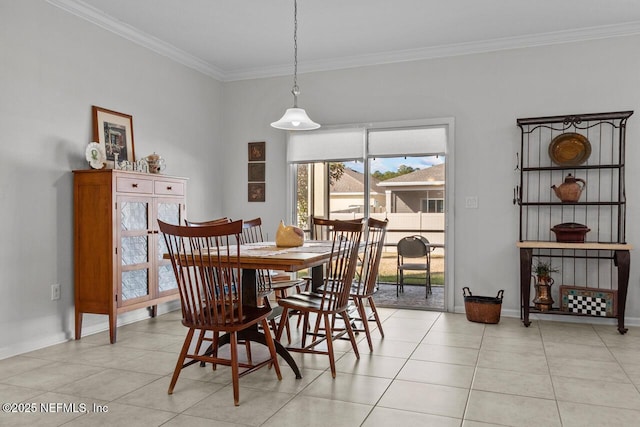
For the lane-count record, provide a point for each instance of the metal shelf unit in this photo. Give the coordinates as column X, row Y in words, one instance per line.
column 602, row 262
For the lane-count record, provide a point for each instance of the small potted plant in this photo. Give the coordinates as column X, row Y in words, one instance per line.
column 543, row 270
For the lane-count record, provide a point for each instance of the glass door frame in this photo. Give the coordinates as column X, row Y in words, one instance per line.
column 448, row 123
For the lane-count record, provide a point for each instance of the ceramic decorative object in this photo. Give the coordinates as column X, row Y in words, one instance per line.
column 289, row 236
column 95, row 155
column 142, row 166
column 543, row 300
column 570, row 190
column 155, row 163
column 543, row 281
column 569, row 149
column 570, row 232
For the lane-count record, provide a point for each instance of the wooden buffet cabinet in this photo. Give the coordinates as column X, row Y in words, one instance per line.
column 118, row 251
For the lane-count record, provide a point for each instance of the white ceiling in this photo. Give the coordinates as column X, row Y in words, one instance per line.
column 240, row 39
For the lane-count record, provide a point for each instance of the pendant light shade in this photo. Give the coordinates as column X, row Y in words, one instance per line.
column 295, row 118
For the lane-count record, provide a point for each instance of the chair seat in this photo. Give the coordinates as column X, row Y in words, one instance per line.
column 251, row 316
column 357, row 290
column 286, row 284
column 275, row 313
column 305, row 302
column 412, row 267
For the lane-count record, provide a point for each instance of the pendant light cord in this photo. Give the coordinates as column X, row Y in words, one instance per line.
column 296, row 89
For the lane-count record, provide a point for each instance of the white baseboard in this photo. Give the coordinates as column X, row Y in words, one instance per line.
column 628, row 321
column 64, row 336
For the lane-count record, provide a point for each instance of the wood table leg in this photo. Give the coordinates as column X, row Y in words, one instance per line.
column 317, row 277
column 249, row 287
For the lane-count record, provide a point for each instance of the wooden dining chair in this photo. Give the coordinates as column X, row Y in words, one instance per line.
column 364, row 284
column 214, row 338
column 333, row 298
column 211, row 297
column 252, row 233
column 216, row 221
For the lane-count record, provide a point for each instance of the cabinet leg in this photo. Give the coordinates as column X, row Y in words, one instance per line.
column 113, row 323
column 622, row 259
column 78, row 324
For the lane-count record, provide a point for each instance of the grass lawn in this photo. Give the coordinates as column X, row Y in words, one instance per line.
column 388, row 272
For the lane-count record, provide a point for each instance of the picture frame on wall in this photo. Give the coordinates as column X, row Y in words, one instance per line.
column 257, row 152
column 114, row 131
column 256, row 172
column 256, row 191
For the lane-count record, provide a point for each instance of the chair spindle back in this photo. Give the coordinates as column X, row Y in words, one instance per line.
column 208, row 283
column 370, row 258
column 341, row 268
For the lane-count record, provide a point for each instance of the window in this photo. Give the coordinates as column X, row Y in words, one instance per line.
column 334, row 170
column 434, row 203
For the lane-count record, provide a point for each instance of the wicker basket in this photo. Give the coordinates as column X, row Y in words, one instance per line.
column 482, row 309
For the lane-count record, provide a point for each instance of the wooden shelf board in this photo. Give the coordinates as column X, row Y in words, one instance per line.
column 532, row 244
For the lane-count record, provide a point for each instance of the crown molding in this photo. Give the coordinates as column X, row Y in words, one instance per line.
column 460, row 49
column 96, row 16
column 99, row 18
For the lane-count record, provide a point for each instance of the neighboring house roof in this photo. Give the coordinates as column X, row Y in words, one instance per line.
column 353, row 182
column 433, row 175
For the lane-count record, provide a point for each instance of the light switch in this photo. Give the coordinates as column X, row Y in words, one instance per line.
column 471, row 202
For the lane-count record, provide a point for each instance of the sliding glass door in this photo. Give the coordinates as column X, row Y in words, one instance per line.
column 392, row 173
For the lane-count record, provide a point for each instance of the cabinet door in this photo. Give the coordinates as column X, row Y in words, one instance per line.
column 168, row 210
column 134, row 254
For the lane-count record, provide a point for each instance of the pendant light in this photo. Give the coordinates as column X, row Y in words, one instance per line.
column 295, row 118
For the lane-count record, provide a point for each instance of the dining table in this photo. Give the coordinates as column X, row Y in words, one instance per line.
column 266, row 256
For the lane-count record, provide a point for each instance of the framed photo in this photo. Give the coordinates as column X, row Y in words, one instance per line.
column 256, row 172
column 256, row 191
column 257, row 152
column 114, row 131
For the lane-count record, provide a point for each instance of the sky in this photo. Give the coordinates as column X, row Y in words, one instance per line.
column 392, row 163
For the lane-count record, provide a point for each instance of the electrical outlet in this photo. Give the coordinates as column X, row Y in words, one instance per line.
column 55, row 292
column 471, row 202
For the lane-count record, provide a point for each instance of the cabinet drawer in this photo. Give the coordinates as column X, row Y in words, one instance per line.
column 134, row 185
column 169, row 188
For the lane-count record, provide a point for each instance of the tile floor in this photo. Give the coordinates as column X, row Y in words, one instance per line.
column 431, row 369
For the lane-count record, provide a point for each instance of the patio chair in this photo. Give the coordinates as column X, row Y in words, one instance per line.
column 414, row 254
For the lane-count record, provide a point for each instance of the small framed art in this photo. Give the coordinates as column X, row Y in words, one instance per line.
column 256, row 172
column 257, row 152
column 256, row 191
column 114, row 131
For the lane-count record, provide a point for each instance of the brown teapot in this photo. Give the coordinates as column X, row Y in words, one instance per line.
column 570, row 190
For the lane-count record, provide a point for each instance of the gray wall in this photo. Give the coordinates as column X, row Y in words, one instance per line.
column 54, row 66
column 485, row 93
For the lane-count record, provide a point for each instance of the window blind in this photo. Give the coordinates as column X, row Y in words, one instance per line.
column 411, row 141
column 324, row 145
